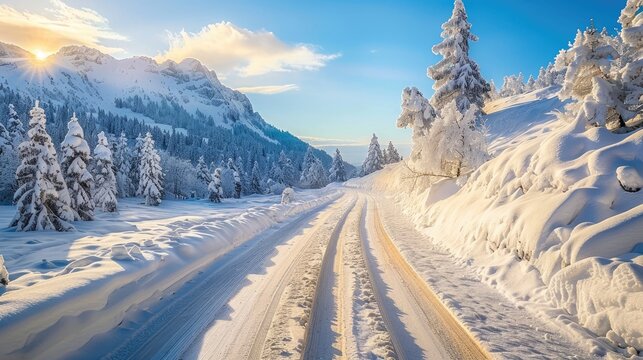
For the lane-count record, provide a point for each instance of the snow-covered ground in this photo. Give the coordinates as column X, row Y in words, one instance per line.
column 546, row 221
column 68, row 287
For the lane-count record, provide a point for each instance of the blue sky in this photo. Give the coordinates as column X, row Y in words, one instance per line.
column 343, row 62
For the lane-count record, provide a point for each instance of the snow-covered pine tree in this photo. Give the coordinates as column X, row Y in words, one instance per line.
column 631, row 73
column 105, row 189
column 493, row 92
column 337, row 171
column 288, row 172
column 237, row 183
column 255, row 183
column 317, row 177
column 8, row 164
column 418, row 115
column 75, row 159
column 150, row 184
column 216, row 191
column 374, row 160
column 15, row 128
column 202, row 172
column 275, row 173
column 5, row 141
column 42, row 197
column 457, row 77
column 457, row 145
column 392, row 156
column 135, row 159
column 307, row 163
column 123, row 165
column 531, row 84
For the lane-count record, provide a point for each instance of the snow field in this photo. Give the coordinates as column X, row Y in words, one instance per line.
column 42, row 311
column 287, row 334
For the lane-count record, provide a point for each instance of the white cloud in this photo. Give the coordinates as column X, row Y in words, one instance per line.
column 56, row 26
column 229, row 49
column 329, row 142
column 267, row 89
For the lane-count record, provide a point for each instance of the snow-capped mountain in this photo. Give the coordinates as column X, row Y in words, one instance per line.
column 82, row 75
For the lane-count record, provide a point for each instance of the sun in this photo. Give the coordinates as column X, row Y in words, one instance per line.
column 40, row 55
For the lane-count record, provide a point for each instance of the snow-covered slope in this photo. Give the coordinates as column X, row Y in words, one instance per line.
column 546, row 221
column 82, row 75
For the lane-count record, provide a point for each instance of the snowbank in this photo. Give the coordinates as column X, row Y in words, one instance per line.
column 552, row 198
column 43, row 312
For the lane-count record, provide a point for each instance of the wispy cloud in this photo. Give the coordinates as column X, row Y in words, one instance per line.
column 229, row 49
column 56, row 26
column 268, row 89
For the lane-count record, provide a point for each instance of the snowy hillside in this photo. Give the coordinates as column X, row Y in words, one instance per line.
column 78, row 74
column 553, row 220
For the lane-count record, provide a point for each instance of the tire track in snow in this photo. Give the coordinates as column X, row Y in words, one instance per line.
column 170, row 332
column 420, row 325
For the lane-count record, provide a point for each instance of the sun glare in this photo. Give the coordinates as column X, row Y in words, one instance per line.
column 40, row 55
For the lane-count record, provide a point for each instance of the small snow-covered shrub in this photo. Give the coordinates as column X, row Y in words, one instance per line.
column 287, row 196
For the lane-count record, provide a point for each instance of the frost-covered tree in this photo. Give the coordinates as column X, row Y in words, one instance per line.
column 150, row 184
column 8, row 164
column 42, row 198
column 513, row 85
column 123, row 165
column 631, row 73
column 288, row 172
column 493, row 91
column 216, row 191
column 457, row 145
column 531, row 84
column 313, row 174
column 457, row 77
column 75, row 159
column 135, row 159
column 255, row 183
column 392, row 155
column 15, row 128
column 418, row 115
column 202, row 172
column 337, row 171
column 374, row 159
column 105, row 190
column 237, row 183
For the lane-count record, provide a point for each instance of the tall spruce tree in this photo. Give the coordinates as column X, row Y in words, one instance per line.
column 75, row 159
column 374, row 159
column 392, row 156
column 457, row 77
column 215, row 188
column 255, row 183
column 123, row 165
column 42, row 198
column 105, row 190
column 337, row 171
column 150, row 184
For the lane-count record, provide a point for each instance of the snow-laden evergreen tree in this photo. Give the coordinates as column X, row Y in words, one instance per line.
column 337, row 171
column 457, row 77
column 513, row 85
column 42, row 198
column 531, row 84
column 105, row 189
column 418, row 115
column 255, row 183
column 457, row 145
column 313, row 175
column 374, row 159
column 150, row 184
column 123, row 165
column 288, row 172
column 493, row 91
column 202, row 172
column 135, row 159
column 392, row 155
column 5, row 141
column 309, row 160
column 8, row 164
column 237, row 183
column 631, row 73
column 215, row 188
column 275, row 173
column 15, row 128
column 75, row 159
